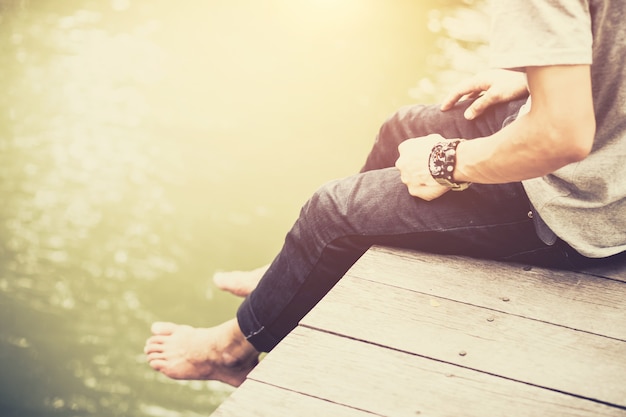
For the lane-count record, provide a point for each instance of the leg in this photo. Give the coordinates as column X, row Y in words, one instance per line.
column 415, row 121
column 408, row 122
column 317, row 253
column 335, row 228
column 345, row 217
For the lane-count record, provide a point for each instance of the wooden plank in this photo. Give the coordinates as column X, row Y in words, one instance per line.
column 393, row 383
column 256, row 399
column 614, row 268
column 514, row 347
column 588, row 303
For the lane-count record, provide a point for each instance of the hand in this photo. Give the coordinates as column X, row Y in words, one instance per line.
column 489, row 88
column 413, row 166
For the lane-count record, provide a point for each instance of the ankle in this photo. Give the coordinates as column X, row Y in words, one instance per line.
column 238, row 362
column 239, row 353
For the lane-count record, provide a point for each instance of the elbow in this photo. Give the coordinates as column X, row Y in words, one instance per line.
column 577, row 150
column 573, row 143
column 582, row 142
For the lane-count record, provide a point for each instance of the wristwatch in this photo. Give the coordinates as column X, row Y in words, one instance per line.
column 442, row 162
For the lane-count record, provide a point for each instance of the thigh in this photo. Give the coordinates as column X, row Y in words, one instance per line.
column 345, row 217
column 488, row 221
column 419, row 120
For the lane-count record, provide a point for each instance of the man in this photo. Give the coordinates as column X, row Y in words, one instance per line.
column 540, row 181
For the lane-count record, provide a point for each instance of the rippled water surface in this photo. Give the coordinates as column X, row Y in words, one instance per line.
column 146, row 144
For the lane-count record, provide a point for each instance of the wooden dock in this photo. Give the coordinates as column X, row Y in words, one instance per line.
column 412, row 334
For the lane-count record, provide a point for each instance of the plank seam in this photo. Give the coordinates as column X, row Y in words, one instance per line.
column 486, row 308
column 314, row 396
column 595, row 400
column 411, row 255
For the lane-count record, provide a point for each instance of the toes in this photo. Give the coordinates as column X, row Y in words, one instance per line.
column 163, row 328
column 161, row 365
column 151, row 348
column 157, row 364
column 221, row 280
column 155, row 344
column 155, row 356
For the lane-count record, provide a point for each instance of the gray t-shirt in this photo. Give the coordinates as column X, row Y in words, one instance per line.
column 582, row 203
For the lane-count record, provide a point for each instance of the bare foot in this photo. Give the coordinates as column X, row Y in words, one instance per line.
column 240, row 283
column 219, row 353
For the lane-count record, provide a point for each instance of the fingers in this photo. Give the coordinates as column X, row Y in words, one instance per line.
column 482, row 103
column 456, row 95
column 428, row 192
column 413, row 166
column 482, row 100
column 488, row 88
column 478, row 107
column 465, row 90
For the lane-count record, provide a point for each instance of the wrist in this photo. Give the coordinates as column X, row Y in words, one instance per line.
column 459, row 173
column 442, row 164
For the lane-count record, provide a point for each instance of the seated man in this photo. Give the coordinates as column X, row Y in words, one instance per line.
column 488, row 174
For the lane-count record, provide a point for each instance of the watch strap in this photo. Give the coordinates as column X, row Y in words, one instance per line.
column 442, row 162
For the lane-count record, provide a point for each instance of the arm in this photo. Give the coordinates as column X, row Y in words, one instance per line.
column 558, row 130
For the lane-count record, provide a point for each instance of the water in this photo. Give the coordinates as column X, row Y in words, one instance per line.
column 146, row 144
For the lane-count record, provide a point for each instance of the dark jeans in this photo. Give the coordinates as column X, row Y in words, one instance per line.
column 345, row 217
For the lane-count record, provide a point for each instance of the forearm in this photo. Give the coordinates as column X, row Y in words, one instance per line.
column 553, row 134
column 518, row 152
column 558, row 130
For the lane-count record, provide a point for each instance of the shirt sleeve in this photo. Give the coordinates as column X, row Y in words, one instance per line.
column 528, row 33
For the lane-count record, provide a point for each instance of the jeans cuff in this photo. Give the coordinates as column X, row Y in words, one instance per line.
column 254, row 332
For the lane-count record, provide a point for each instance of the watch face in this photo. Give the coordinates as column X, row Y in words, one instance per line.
column 441, row 164
column 443, row 159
